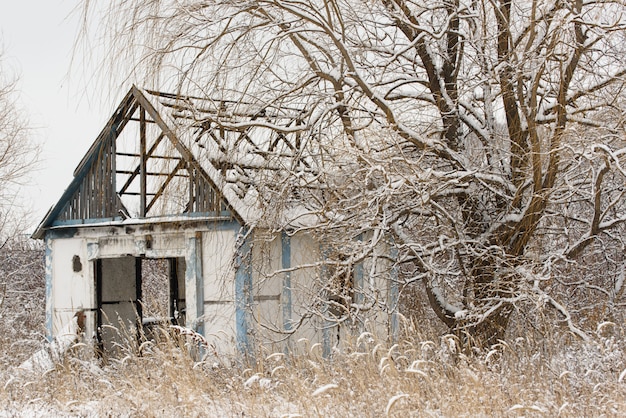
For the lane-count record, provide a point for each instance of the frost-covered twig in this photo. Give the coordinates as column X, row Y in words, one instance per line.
column 563, row 311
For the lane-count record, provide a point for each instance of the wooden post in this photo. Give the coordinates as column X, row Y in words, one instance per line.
column 112, row 204
column 142, row 164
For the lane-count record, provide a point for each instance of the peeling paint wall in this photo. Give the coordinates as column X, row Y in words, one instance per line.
column 305, row 284
column 267, row 313
column 218, row 252
column 260, row 297
column 286, row 282
column 205, row 268
column 73, row 285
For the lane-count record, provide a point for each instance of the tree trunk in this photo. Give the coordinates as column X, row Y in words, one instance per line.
column 488, row 292
column 491, row 330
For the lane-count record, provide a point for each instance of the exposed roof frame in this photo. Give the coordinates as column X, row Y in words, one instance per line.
column 122, row 115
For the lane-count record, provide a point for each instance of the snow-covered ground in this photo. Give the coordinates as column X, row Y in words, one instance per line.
column 426, row 374
column 556, row 377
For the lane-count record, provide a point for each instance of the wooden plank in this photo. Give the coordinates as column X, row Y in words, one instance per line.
column 113, row 184
column 192, row 186
column 201, row 193
column 98, row 180
column 150, row 173
column 135, row 173
column 182, row 149
column 79, row 200
column 139, row 194
column 105, row 179
column 138, row 120
column 142, row 163
column 164, row 185
column 162, row 157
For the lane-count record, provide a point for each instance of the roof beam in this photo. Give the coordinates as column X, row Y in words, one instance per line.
column 182, row 149
column 169, row 178
column 142, row 162
column 135, row 173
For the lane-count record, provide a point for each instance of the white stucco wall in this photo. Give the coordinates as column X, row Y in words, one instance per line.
column 267, row 312
column 218, row 270
column 305, row 283
column 273, row 306
column 71, row 290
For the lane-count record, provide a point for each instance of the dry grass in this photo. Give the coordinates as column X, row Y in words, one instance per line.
column 555, row 377
column 546, row 372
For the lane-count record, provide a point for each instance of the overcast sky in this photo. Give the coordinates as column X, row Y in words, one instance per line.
column 64, row 108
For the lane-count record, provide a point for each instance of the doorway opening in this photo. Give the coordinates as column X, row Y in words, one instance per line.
column 135, row 295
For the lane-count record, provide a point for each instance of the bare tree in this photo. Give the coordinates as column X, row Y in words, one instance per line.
column 21, row 271
column 18, row 157
column 483, row 140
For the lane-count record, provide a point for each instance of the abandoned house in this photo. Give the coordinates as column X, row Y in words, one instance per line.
column 178, row 179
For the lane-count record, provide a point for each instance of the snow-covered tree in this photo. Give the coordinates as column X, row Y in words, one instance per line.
column 483, row 140
column 18, row 156
column 21, row 275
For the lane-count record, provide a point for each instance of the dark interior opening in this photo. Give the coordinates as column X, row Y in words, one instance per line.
column 135, row 296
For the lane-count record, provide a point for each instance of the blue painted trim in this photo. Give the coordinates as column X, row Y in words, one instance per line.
column 48, row 276
column 224, row 225
column 199, row 286
column 74, row 222
column 326, row 347
column 186, row 216
column 359, row 290
column 243, row 295
column 328, row 325
column 394, row 295
column 286, row 291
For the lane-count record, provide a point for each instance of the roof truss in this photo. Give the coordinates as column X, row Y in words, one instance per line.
column 162, row 154
column 136, row 168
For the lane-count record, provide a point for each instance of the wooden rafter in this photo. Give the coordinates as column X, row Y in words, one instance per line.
column 167, row 181
column 185, row 153
column 93, row 193
column 135, row 173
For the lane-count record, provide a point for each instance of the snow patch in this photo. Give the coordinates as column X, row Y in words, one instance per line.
column 46, row 358
column 323, row 389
